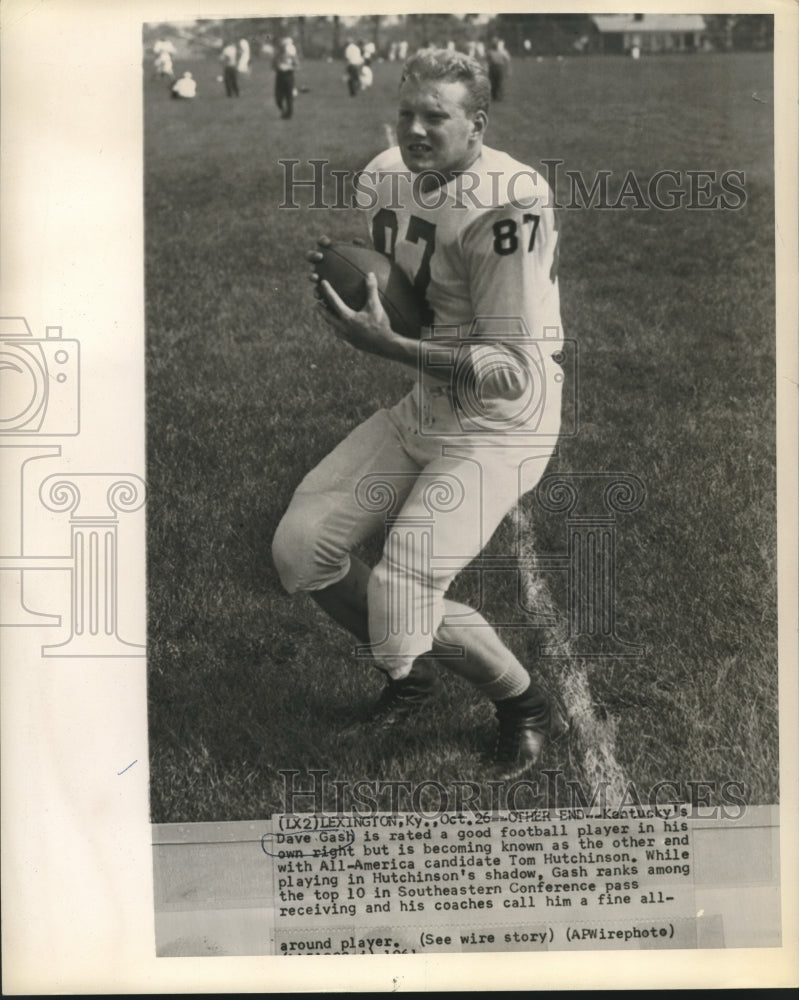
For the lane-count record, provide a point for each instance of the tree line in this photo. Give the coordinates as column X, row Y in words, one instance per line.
column 547, row 34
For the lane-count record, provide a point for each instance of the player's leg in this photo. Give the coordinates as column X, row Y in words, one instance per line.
column 289, row 94
column 524, row 711
column 353, row 74
column 338, row 505
column 284, row 95
column 470, row 644
column 410, row 618
column 486, row 662
column 471, row 649
column 346, row 603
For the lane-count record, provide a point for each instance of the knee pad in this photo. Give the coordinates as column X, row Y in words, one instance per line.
column 305, row 558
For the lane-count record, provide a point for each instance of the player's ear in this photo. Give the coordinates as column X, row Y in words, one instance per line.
column 479, row 123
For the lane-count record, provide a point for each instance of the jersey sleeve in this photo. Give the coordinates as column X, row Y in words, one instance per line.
column 511, row 258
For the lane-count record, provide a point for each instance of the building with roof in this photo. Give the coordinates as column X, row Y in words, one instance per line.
column 648, row 33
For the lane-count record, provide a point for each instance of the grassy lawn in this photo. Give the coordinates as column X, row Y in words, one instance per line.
column 673, row 312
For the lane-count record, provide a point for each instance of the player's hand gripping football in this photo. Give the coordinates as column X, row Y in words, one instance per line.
column 368, row 329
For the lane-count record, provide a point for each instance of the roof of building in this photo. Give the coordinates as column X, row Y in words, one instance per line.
column 649, row 22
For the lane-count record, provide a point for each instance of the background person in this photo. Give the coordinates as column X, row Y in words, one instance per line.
column 163, row 64
column 498, row 68
column 353, row 57
column 286, row 63
column 185, row 86
column 229, row 59
column 243, row 65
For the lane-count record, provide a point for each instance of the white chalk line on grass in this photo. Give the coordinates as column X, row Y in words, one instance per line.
column 596, row 739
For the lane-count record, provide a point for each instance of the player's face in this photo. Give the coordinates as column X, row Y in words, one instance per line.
column 434, row 131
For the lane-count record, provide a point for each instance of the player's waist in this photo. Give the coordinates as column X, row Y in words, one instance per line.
column 500, row 370
column 462, row 406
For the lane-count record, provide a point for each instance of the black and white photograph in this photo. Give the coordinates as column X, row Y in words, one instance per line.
column 400, row 470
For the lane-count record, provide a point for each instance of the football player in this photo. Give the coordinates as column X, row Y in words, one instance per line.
column 286, row 64
column 474, row 231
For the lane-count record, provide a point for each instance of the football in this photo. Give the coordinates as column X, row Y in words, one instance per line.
column 345, row 266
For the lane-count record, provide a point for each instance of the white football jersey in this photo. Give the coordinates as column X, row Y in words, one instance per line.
column 482, row 252
column 484, row 245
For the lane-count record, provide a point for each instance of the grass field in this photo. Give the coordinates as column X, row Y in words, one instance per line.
column 674, row 315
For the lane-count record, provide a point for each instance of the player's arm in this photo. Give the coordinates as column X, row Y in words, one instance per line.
column 369, row 329
column 511, row 257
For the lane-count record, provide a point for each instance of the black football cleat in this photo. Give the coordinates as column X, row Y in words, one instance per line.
column 526, row 723
column 400, row 700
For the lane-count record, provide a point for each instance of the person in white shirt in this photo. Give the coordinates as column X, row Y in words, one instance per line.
column 229, row 59
column 185, row 86
column 353, row 57
column 286, row 63
column 165, row 45
column 476, row 235
column 163, row 64
column 243, row 65
column 366, row 75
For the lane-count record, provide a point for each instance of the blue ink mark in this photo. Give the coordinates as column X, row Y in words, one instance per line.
column 314, row 844
column 127, row 768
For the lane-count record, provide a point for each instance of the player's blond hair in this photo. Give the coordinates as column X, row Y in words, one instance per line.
column 444, row 64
